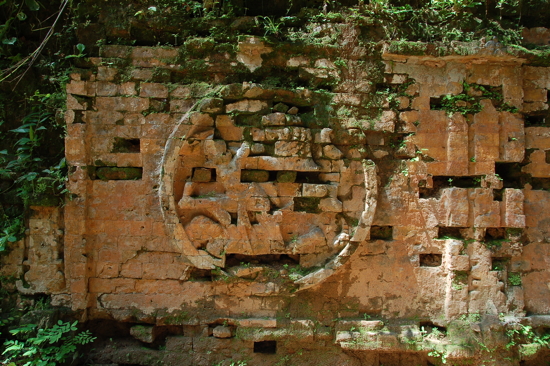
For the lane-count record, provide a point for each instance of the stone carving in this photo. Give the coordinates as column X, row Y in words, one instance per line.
column 258, row 181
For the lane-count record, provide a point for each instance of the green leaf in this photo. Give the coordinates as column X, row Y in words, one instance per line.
column 23, row 329
column 20, row 129
column 80, row 47
column 11, row 40
column 21, row 16
column 32, row 5
column 31, row 176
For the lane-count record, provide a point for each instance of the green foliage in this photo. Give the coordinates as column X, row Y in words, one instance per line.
column 296, row 272
column 187, row 8
column 177, row 318
column 444, row 20
column 32, row 171
column 494, row 244
column 460, row 280
column 271, row 26
column 468, row 102
column 15, row 15
column 522, row 334
column 26, row 166
column 232, row 363
column 44, row 347
column 437, row 354
column 499, row 265
column 12, row 231
column 470, row 318
column 461, row 103
column 28, row 169
column 514, row 279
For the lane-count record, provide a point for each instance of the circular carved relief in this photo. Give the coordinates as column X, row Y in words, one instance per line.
column 262, row 175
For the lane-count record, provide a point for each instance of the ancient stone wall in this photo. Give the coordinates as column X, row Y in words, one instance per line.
column 367, row 207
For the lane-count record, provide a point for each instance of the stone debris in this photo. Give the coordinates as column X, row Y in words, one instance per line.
column 222, row 332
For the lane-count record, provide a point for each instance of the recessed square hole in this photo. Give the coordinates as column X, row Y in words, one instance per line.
column 536, row 120
column 450, row 233
column 381, row 232
column 383, row 87
column 121, row 145
column 499, row 263
column 435, row 104
column 430, row 260
column 269, row 347
column 308, row 177
column 78, row 117
column 430, row 327
column 203, row 175
column 540, row 184
column 497, row 194
column 307, row 204
column 118, row 173
column 495, row 233
column 258, row 176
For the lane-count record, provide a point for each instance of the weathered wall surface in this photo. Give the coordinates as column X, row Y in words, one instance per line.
column 366, row 207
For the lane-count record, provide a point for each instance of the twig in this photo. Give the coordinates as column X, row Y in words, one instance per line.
column 30, row 59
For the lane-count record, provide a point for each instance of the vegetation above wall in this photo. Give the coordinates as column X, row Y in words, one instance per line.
column 171, row 22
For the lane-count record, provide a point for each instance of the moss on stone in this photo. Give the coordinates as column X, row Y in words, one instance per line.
column 536, row 57
column 307, row 204
column 286, row 176
column 254, row 176
column 408, row 48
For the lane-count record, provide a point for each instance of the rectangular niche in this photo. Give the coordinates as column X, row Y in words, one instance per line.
column 381, row 233
column 430, row 260
column 450, row 233
column 117, row 173
column 536, row 119
column 121, row 145
column 429, row 327
column 499, row 263
column 255, row 176
column 307, row 204
column 435, row 104
column 267, row 347
column 203, row 175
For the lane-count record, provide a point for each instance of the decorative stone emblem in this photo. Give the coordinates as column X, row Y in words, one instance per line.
column 267, row 178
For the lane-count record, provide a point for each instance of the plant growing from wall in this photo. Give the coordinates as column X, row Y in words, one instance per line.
column 514, row 279
column 521, row 334
column 44, row 347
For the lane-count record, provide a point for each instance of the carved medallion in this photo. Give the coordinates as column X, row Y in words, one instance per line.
column 267, row 175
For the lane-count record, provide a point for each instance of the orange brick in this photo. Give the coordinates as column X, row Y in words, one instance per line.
column 153, row 90
column 118, row 285
column 160, row 287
